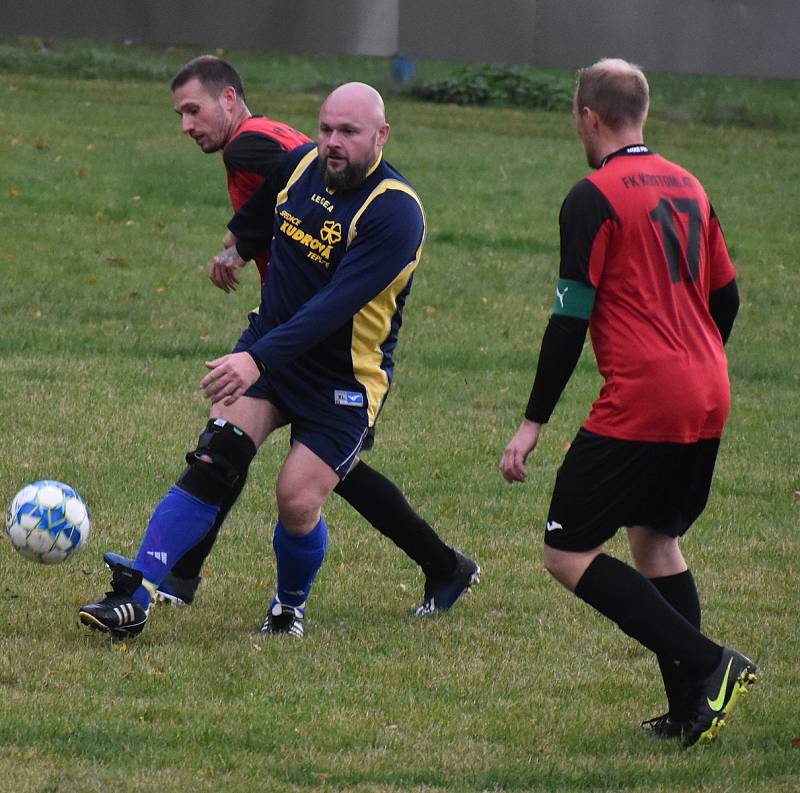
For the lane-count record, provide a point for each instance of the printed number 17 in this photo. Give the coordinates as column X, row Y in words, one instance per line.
column 663, row 214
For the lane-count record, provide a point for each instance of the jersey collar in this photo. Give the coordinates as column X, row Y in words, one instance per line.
column 635, row 149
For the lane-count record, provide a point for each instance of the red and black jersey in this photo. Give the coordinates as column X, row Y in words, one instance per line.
column 641, row 233
column 251, row 155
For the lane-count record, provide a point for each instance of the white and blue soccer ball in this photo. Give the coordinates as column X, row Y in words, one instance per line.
column 48, row 522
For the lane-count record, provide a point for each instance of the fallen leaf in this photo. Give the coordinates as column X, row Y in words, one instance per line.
column 796, row 742
column 13, row 191
column 81, row 172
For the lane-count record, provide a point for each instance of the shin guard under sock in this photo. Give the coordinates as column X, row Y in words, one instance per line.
column 627, row 598
column 383, row 504
column 298, row 561
column 680, row 592
column 178, row 523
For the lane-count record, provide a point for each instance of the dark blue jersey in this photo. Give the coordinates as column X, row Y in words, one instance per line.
column 340, row 270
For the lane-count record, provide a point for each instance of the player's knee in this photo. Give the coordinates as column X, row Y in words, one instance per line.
column 219, row 464
column 566, row 567
column 299, row 511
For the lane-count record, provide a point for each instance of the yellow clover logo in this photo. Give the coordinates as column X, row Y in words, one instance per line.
column 331, row 232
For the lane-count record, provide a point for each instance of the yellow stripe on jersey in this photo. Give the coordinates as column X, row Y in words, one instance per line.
column 296, row 174
column 371, row 326
column 372, row 323
column 382, row 187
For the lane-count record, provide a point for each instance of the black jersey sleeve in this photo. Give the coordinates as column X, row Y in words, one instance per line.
column 723, row 305
column 561, row 348
column 584, row 211
column 253, row 152
column 252, row 224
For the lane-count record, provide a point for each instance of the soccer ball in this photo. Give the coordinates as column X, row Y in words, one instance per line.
column 48, row 522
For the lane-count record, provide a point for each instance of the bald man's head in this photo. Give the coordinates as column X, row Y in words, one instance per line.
column 352, row 132
column 616, row 90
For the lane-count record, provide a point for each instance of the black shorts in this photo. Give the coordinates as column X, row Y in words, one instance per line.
column 605, row 483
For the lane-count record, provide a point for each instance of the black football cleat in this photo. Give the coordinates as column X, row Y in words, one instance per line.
column 441, row 594
column 716, row 696
column 117, row 613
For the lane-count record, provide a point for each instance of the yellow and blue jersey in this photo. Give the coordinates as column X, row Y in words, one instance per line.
column 341, row 267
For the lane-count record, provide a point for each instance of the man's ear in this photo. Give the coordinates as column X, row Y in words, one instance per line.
column 229, row 97
column 383, row 134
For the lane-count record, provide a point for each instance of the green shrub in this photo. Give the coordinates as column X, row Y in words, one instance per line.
column 497, row 85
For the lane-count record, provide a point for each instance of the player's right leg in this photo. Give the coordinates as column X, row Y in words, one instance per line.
column 186, row 513
column 181, row 582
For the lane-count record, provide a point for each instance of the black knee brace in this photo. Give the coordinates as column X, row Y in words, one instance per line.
column 230, row 450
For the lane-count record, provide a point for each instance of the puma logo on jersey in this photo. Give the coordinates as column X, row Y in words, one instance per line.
column 560, row 295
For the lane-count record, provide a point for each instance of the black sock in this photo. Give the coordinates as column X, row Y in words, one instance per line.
column 382, row 503
column 627, row 598
column 680, row 592
column 190, row 564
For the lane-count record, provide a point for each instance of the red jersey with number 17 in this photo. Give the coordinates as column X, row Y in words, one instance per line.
column 641, row 231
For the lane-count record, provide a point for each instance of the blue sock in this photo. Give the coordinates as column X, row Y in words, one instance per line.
column 298, row 561
column 178, row 523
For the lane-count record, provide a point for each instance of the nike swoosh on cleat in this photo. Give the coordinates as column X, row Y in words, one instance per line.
column 719, row 700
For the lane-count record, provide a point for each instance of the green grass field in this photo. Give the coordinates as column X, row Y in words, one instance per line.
column 108, row 217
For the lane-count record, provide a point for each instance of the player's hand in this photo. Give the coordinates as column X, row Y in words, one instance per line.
column 229, row 240
column 512, row 464
column 229, row 378
column 223, row 269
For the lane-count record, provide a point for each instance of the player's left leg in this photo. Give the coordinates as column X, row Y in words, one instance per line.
column 658, row 557
column 300, row 539
column 448, row 572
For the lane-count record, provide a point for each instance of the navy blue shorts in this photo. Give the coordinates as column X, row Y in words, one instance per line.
column 606, row 483
column 327, row 416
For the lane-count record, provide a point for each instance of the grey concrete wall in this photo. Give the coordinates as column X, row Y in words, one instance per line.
column 366, row 27
column 754, row 38
column 757, row 38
